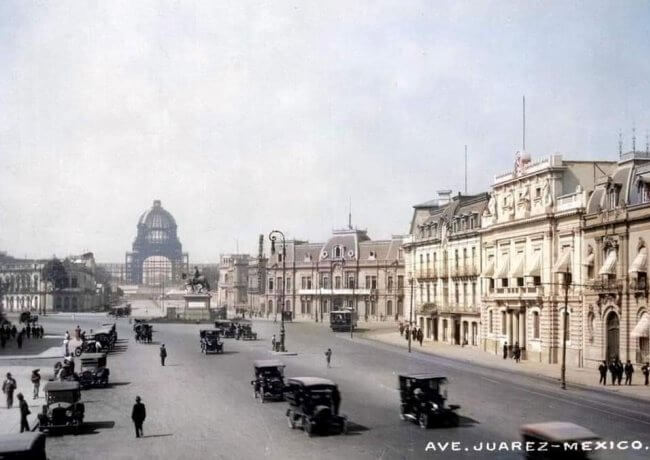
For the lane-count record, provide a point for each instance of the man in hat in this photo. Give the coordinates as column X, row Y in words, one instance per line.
column 163, row 354
column 8, row 388
column 36, row 381
column 138, row 415
column 24, row 412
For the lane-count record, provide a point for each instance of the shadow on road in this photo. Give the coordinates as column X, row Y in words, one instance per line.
column 466, row 421
column 117, row 384
column 157, row 435
column 85, row 429
column 355, row 428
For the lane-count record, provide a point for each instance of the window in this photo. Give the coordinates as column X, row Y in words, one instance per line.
column 536, row 325
column 421, row 261
column 473, row 293
column 337, row 251
column 456, row 257
column 270, row 284
column 538, row 192
column 279, row 257
column 537, row 280
column 644, row 192
column 288, row 283
column 389, row 308
column 428, row 293
column 389, row 284
column 351, row 282
column 280, row 283
column 400, row 282
column 456, row 293
column 504, row 282
column 504, row 329
column 612, row 197
column 464, row 294
column 428, row 261
column 337, row 282
column 520, row 282
column 373, row 282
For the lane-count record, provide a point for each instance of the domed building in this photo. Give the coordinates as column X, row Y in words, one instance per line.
column 157, row 256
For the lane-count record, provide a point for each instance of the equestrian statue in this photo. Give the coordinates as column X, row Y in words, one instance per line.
column 198, row 284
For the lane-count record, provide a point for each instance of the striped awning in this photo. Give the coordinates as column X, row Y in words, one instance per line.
column 589, row 260
column 640, row 263
column 518, row 267
column 504, row 267
column 535, row 268
column 641, row 328
column 563, row 264
column 489, row 269
column 609, row 267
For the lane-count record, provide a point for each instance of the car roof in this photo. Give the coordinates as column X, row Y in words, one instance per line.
column 19, row 442
column 423, row 376
column 312, row 381
column 558, row 431
column 268, row 363
column 61, row 386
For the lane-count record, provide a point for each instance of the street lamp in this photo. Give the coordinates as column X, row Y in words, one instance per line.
column 411, row 314
column 272, row 236
column 564, row 327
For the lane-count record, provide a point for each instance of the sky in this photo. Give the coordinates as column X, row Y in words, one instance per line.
column 248, row 116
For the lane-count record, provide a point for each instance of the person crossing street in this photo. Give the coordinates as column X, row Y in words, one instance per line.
column 328, row 356
column 138, row 415
column 24, row 412
column 163, row 354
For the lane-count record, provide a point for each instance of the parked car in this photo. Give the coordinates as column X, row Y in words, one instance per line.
column 245, row 332
column 548, row 440
column 23, row 446
column 211, row 341
column 63, row 408
column 313, row 405
column 269, row 379
column 228, row 328
column 93, row 370
column 423, row 399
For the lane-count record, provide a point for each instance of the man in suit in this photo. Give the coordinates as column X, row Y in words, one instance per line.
column 138, row 415
column 629, row 370
column 163, row 354
column 603, row 373
column 24, row 412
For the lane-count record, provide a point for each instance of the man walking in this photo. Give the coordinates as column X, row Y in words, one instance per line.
column 505, row 350
column 8, row 388
column 36, row 380
column 420, row 336
column 138, row 415
column 516, row 352
column 66, row 341
column 646, row 372
column 24, row 412
column 163, row 354
column 401, row 329
column 273, row 341
column 629, row 370
column 328, row 356
column 619, row 371
column 603, row 373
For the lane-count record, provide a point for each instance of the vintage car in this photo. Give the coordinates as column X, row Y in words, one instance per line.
column 423, row 399
column 228, row 328
column 287, row 316
column 245, row 332
column 269, row 379
column 64, row 371
column 23, row 446
column 550, row 440
column 314, row 405
column 25, row 317
column 93, row 370
column 343, row 320
column 62, row 409
column 211, row 341
column 111, row 329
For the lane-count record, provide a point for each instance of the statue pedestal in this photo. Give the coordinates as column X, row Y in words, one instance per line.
column 197, row 307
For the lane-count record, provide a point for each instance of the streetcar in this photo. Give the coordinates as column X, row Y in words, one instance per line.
column 343, row 320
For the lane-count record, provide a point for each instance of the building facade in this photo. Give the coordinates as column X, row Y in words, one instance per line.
column 443, row 260
column 347, row 271
column 232, row 291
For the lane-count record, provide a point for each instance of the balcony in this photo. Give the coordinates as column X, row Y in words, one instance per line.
column 426, row 273
column 608, row 285
column 431, row 308
column 340, row 291
column 577, row 200
column 517, row 292
column 465, row 270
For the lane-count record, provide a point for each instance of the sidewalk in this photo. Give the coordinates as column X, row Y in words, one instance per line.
column 577, row 376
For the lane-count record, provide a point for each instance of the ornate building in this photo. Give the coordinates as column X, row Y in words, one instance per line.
column 615, row 257
column 443, row 260
column 348, row 271
column 157, row 256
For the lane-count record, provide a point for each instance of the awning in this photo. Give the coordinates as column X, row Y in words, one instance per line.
column 641, row 328
column 535, row 268
column 609, row 267
column 518, row 267
column 640, row 263
column 645, row 177
column 589, row 260
column 563, row 264
column 502, row 271
column 489, row 269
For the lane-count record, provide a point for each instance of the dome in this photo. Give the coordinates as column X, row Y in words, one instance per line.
column 157, row 218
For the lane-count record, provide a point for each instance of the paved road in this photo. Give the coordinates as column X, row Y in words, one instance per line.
column 202, row 406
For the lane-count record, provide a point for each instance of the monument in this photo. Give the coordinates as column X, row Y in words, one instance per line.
column 197, row 297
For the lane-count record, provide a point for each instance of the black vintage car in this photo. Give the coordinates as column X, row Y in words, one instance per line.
column 423, row 399
column 23, row 446
column 314, row 405
column 211, row 341
column 245, row 332
column 551, row 440
column 62, row 409
column 269, row 379
column 228, row 328
column 93, row 372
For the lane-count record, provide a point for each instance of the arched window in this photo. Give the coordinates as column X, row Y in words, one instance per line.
column 270, row 310
column 337, row 251
column 389, row 308
column 536, row 325
column 591, row 325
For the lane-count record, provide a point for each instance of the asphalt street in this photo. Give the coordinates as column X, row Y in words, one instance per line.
column 203, row 407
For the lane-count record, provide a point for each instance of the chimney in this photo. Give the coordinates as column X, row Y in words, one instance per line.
column 444, row 197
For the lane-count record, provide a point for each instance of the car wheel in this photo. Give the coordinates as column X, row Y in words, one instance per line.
column 424, row 420
column 77, row 352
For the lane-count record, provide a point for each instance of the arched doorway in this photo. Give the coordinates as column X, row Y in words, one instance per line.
column 613, row 335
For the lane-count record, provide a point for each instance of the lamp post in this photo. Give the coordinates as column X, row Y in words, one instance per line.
column 564, row 327
column 411, row 314
column 273, row 236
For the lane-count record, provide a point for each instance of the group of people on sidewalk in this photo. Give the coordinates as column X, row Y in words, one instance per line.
column 9, row 386
column 8, row 333
column 414, row 332
column 617, row 369
column 512, row 352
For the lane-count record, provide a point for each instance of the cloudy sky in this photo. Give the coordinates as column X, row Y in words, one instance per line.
column 247, row 116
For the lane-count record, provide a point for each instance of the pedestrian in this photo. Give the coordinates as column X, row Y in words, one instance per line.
column 8, row 388
column 66, row 342
column 273, row 342
column 28, row 331
column 19, row 340
column 401, row 329
column 603, row 373
column 407, row 332
column 516, row 352
column 505, row 350
column 14, row 331
column 328, row 356
column 420, row 336
column 619, row 371
column 24, row 412
column 163, row 354
column 612, row 371
column 77, row 332
column 646, row 372
column 414, row 333
column 138, row 415
column 36, row 380
column 629, row 370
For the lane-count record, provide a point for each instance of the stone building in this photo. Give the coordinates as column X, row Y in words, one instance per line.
column 531, row 242
column 347, row 271
column 25, row 287
column 232, row 291
column 443, row 260
column 615, row 258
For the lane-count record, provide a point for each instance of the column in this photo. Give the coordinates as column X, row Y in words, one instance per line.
column 515, row 327
column 509, row 327
column 522, row 329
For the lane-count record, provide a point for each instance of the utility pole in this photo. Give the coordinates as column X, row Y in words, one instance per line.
column 565, row 326
column 411, row 314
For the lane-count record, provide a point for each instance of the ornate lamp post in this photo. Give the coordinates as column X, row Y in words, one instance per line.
column 273, row 236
